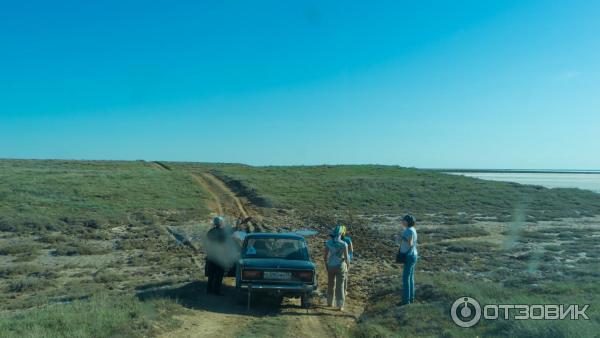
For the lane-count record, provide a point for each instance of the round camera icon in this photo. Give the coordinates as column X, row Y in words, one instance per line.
column 465, row 312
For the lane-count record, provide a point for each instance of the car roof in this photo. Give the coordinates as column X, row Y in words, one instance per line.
column 285, row 235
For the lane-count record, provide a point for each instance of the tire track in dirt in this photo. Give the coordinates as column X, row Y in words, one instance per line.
column 224, row 200
column 222, row 188
column 216, row 205
column 159, row 166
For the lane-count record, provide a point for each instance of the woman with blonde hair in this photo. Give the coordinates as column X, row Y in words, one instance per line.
column 348, row 241
column 336, row 262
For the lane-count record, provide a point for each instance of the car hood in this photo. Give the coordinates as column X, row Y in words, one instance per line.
column 276, row 263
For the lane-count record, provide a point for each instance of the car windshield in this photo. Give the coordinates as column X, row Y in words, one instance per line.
column 283, row 248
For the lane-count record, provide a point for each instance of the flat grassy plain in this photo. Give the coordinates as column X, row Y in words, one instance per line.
column 70, row 230
column 385, row 190
column 71, row 196
column 80, row 239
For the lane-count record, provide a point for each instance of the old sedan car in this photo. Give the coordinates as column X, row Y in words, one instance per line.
column 275, row 264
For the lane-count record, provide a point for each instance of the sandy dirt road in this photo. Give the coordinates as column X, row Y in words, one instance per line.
column 221, row 316
column 224, row 201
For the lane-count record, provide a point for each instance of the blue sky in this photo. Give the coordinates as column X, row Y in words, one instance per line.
column 469, row 84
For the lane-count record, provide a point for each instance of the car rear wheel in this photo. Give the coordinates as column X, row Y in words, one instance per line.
column 306, row 300
column 241, row 297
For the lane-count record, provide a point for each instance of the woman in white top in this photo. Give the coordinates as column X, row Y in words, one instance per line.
column 408, row 246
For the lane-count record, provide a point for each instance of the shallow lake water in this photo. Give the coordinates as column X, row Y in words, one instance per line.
column 581, row 180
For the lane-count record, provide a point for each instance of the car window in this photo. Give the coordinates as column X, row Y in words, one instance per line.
column 284, row 248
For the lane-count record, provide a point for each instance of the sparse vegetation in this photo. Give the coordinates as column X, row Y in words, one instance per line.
column 271, row 327
column 107, row 276
column 19, row 248
column 375, row 190
column 429, row 317
column 89, row 235
column 20, row 269
column 100, row 316
column 75, row 197
column 507, row 277
column 29, row 283
column 448, row 232
column 74, row 248
column 469, row 246
column 53, row 238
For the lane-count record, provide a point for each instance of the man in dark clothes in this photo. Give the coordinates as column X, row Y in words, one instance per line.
column 216, row 239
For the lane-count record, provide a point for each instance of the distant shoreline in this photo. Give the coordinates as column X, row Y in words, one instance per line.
column 520, row 171
column 560, row 178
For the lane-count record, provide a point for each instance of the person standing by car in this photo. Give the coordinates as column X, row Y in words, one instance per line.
column 336, row 262
column 348, row 241
column 216, row 256
column 409, row 254
column 241, row 230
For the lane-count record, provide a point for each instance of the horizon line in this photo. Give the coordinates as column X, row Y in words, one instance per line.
column 442, row 169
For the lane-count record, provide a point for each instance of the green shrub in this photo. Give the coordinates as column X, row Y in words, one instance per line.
column 107, row 276
column 469, row 246
column 73, row 249
column 131, row 244
column 53, row 238
column 19, row 248
column 7, row 225
column 25, row 258
column 552, row 247
column 372, row 330
column 20, row 269
column 449, row 232
column 29, row 283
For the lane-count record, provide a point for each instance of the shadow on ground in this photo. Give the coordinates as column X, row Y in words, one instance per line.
column 193, row 296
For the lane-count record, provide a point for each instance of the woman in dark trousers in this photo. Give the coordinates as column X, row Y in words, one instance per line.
column 408, row 246
column 215, row 271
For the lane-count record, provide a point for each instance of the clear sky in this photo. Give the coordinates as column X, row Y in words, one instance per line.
column 469, row 84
